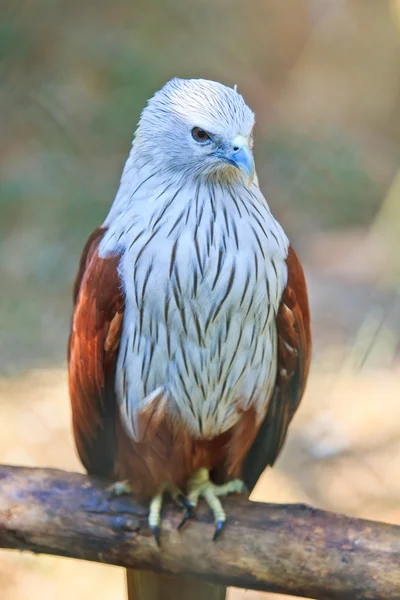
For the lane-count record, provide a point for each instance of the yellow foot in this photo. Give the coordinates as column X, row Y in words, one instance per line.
column 156, row 503
column 120, row 488
column 200, row 485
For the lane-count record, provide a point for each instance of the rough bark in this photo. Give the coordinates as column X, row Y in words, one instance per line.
column 291, row 549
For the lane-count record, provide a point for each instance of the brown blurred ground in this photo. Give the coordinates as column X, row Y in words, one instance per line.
column 343, row 454
column 324, row 79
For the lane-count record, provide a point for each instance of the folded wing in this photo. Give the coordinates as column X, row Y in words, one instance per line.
column 92, row 355
column 294, row 353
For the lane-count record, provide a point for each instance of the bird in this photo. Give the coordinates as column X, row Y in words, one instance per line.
column 190, row 341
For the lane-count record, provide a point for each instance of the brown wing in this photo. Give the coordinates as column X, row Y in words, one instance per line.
column 92, row 354
column 294, row 353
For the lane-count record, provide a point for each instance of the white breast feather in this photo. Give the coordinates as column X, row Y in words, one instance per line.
column 203, row 269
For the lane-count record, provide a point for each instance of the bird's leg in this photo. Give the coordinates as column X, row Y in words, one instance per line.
column 200, row 485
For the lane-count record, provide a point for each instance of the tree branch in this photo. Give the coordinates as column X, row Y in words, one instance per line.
column 292, row 549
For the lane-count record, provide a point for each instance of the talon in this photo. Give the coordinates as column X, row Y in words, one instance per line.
column 189, row 514
column 200, row 485
column 119, row 488
column 185, row 502
column 156, row 532
column 218, row 528
column 155, row 507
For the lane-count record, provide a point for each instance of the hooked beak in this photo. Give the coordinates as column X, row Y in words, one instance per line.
column 241, row 157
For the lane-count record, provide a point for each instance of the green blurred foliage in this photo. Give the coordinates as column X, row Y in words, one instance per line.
column 323, row 77
column 322, row 178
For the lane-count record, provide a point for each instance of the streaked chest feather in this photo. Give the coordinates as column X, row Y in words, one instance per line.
column 203, row 270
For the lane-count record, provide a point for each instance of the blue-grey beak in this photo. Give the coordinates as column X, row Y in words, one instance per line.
column 241, row 157
column 244, row 161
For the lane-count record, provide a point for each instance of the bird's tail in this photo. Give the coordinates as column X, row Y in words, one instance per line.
column 144, row 585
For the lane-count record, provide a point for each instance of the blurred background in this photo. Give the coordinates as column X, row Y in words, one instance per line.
column 323, row 77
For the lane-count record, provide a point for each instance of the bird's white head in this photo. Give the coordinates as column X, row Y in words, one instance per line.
column 199, row 128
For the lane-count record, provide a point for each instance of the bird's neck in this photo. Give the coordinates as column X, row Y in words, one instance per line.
column 147, row 188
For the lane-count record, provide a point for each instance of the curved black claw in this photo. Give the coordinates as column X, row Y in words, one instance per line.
column 218, row 528
column 156, row 532
column 185, row 502
column 189, row 514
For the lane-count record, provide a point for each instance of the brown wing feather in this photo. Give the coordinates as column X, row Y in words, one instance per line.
column 92, row 354
column 294, row 353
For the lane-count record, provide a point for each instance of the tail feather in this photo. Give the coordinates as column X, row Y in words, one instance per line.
column 144, row 585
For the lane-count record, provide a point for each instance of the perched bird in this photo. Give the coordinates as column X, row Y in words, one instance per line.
column 190, row 342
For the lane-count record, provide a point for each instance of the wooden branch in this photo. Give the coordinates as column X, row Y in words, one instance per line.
column 292, row 549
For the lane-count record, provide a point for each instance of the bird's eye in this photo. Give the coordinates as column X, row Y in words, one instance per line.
column 200, row 135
